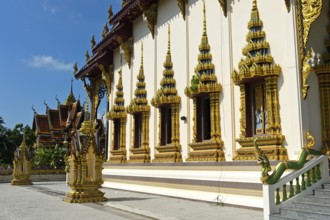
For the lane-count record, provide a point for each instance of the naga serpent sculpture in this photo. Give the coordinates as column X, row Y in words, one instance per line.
column 282, row 166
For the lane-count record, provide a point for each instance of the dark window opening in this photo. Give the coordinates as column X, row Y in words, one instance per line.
column 203, row 109
column 137, row 130
column 166, row 125
column 116, row 134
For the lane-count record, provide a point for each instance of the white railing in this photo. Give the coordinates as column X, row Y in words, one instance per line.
column 301, row 182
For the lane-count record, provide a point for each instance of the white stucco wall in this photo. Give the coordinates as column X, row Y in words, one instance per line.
column 227, row 38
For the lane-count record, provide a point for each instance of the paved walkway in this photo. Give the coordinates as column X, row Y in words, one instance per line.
column 43, row 200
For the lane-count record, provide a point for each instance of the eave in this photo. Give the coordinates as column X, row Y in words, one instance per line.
column 92, row 66
column 130, row 11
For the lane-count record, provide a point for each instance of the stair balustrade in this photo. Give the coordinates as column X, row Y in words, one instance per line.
column 298, row 183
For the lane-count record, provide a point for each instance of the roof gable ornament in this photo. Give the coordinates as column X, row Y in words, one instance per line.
column 287, row 4
column 47, row 107
column 124, row 2
column 151, row 15
column 75, row 68
column 110, row 13
column 127, row 47
column 93, row 43
column 87, row 56
column 58, row 101
column 105, row 30
column 223, row 4
column 34, row 110
column 182, row 7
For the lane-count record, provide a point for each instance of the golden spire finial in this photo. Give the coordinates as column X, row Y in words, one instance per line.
column 110, row 13
column 141, row 54
column 93, row 43
column 87, row 107
column 169, row 40
column 204, row 22
column 87, row 55
column 254, row 5
column 121, row 65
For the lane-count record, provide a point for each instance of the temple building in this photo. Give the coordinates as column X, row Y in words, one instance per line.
column 191, row 84
column 49, row 127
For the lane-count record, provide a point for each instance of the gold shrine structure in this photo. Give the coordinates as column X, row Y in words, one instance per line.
column 22, row 165
column 85, row 137
column 185, row 127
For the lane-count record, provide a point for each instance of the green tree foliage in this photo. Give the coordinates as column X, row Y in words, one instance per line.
column 49, row 158
column 10, row 139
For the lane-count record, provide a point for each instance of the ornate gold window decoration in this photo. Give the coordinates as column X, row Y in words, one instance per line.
column 257, row 78
column 204, row 90
column 168, row 103
column 140, row 109
column 323, row 73
column 118, row 115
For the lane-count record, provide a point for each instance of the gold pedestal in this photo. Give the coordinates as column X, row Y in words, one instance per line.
column 118, row 156
column 168, row 154
column 23, row 179
column 140, row 155
column 88, row 192
column 84, row 182
column 209, row 150
column 270, row 145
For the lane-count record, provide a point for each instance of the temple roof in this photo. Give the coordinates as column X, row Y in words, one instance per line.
column 63, row 113
column 54, row 119
column 40, row 124
column 121, row 30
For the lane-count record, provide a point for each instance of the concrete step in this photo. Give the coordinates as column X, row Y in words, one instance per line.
column 281, row 217
column 322, row 192
column 303, row 214
column 315, row 199
column 312, row 206
column 326, row 186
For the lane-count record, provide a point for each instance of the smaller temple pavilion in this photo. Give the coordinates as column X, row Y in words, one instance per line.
column 49, row 127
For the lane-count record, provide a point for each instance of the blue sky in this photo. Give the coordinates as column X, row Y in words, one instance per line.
column 40, row 40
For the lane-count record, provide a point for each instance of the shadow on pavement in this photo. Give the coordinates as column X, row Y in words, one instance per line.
column 122, row 199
